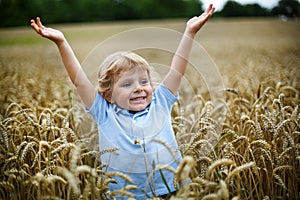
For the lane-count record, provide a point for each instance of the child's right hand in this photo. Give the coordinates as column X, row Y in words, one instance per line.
column 50, row 33
column 195, row 23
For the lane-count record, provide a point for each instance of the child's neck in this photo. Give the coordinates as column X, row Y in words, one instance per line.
column 132, row 112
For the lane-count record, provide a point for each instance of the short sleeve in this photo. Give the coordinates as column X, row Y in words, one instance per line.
column 165, row 97
column 99, row 108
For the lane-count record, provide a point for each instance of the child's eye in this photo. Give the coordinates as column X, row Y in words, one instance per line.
column 126, row 85
column 144, row 82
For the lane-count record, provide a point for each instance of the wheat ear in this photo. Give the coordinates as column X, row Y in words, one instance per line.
column 223, row 192
column 119, row 174
column 217, row 163
column 239, row 169
column 72, row 180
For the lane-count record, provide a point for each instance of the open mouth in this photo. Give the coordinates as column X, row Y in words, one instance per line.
column 138, row 100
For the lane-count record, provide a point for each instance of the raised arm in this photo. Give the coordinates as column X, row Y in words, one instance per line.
column 84, row 87
column 181, row 58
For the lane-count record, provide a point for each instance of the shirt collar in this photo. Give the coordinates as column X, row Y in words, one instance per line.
column 122, row 111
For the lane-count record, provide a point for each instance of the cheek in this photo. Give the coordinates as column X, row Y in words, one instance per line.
column 122, row 94
column 150, row 95
column 150, row 90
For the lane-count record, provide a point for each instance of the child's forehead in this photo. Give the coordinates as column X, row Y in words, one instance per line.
column 133, row 72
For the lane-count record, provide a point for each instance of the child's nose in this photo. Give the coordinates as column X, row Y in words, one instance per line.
column 138, row 88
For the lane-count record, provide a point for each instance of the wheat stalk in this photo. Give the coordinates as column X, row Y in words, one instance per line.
column 223, row 192
column 74, row 159
column 216, row 164
column 168, row 148
column 71, row 179
column 28, row 147
column 238, row 169
column 121, row 175
column 4, row 136
column 62, row 147
column 122, row 193
column 184, row 168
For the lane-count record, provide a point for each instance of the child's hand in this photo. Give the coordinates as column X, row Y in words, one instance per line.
column 50, row 33
column 195, row 23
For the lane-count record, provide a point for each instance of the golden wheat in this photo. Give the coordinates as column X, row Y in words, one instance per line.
column 48, row 148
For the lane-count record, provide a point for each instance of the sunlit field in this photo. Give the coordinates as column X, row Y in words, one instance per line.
column 49, row 145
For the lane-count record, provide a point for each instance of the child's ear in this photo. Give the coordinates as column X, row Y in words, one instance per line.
column 107, row 97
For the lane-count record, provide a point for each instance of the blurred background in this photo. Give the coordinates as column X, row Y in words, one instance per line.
column 19, row 12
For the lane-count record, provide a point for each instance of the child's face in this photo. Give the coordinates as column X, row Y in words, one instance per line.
column 133, row 90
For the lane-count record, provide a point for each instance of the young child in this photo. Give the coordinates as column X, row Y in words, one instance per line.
column 129, row 114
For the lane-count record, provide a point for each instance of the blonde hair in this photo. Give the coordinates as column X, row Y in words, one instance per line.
column 112, row 67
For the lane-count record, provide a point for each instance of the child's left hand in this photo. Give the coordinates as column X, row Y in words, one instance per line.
column 195, row 23
column 50, row 33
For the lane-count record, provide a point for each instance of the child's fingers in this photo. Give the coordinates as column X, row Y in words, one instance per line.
column 208, row 9
column 37, row 27
column 212, row 10
column 39, row 23
column 33, row 25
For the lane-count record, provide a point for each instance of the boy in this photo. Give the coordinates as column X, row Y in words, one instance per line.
column 129, row 114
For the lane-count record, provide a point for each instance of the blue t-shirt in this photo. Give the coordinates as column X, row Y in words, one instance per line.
column 133, row 134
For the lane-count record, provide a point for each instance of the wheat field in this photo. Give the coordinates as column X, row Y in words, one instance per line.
column 252, row 154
